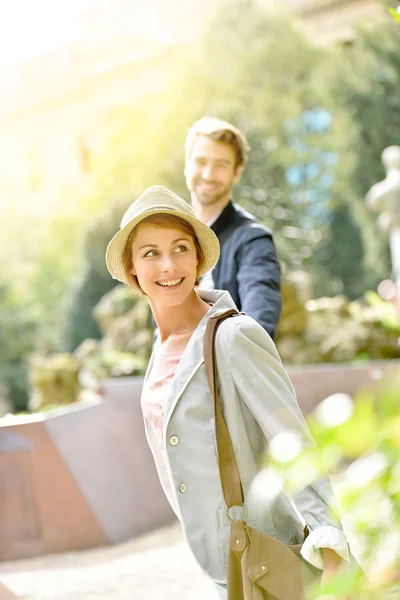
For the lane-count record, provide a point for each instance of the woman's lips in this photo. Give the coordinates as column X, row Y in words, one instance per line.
column 170, row 283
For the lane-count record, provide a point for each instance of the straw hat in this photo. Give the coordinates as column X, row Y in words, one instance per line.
column 156, row 200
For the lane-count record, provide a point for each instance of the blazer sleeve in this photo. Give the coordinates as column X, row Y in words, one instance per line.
column 264, row 386
column 259, row 276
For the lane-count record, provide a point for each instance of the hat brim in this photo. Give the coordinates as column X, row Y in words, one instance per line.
column 207, row 239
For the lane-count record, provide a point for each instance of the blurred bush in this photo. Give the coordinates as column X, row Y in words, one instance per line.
column 359, row 441
column 124, row 350
column 364, row 88
column 127, row 326
column 317, row 121
column 335, row 329
column 53, row 381
column 18, row 327
column 311, row 331
column 92, row 281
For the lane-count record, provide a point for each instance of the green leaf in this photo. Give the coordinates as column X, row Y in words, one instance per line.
column 395, row 14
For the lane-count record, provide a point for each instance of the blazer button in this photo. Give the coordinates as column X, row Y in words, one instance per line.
column 174, row 440
column 182, row 488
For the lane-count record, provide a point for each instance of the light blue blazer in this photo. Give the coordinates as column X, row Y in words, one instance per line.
column 258, row 402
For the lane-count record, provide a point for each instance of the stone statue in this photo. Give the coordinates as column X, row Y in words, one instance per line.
column 384, row 198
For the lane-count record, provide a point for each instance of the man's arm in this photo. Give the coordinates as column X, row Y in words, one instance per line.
column 259, row 277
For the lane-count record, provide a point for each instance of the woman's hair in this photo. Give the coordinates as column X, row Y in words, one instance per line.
column 158, row 220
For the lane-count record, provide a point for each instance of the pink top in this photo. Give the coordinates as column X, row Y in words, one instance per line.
column 157, row 388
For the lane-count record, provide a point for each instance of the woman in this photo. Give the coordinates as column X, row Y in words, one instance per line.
column 161, row 251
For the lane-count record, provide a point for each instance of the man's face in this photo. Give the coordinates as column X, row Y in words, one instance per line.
column 211, row 171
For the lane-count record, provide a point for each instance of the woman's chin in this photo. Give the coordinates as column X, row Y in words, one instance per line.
column 174, row 296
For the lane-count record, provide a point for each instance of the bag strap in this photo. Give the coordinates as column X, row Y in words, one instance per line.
column 228, row 469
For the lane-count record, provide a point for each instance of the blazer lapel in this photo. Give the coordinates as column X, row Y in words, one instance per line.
column 193, row 356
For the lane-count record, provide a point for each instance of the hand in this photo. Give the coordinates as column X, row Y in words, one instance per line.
column 332, row 563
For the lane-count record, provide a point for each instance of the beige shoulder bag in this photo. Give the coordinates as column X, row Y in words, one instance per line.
column 259, row 566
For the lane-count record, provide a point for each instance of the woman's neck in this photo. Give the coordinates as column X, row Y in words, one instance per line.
column 177, row 323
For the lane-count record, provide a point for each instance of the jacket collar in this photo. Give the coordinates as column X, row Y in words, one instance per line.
column 230, row 218
column 224, row 219
column 193, row 356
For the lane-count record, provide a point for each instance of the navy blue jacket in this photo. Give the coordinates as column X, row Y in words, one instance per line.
column 248, row 267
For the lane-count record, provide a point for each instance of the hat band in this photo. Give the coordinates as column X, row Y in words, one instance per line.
column 151, row 210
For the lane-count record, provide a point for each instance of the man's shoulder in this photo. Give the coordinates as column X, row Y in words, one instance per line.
column 242, row 215
column 236, row 225
column 247, row 223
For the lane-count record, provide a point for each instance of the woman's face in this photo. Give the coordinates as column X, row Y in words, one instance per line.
column 165, row 263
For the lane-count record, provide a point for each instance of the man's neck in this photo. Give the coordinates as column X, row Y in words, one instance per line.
column 208, row 213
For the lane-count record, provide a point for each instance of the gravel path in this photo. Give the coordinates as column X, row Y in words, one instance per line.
column 157, row 566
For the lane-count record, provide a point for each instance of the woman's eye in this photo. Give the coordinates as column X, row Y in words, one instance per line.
column 150, row 253
column 180, row 249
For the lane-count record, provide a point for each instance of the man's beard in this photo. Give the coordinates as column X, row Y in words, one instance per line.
column 212, row 197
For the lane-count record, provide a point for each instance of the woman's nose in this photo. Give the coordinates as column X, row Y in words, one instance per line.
column 168, row 264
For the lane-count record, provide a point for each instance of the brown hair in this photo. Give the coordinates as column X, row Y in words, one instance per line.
column 219, row 131
column 158, row 220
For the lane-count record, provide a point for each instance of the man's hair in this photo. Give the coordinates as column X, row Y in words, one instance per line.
column 162, row 221
column 219, row 131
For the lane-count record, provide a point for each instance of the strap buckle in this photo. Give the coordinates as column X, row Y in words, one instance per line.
column 245, row 516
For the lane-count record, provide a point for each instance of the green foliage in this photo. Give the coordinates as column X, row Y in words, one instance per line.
column 115, row 364
column 395, row 14
column 92, row 281
column 366, row 80
column 359, row 440
column 388, row 312
column 393, row 8
column 344, row 237
column 317, row 121
column 84, row 294
column 316, row 127
column 269, row 91
column 18, row 326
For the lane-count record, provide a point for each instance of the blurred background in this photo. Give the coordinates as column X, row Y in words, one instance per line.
column 96, row 97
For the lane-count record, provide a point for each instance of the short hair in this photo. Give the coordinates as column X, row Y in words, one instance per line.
column 219, row 131
column 158, row 220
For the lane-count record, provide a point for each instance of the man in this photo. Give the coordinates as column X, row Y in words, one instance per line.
column 248, row 267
